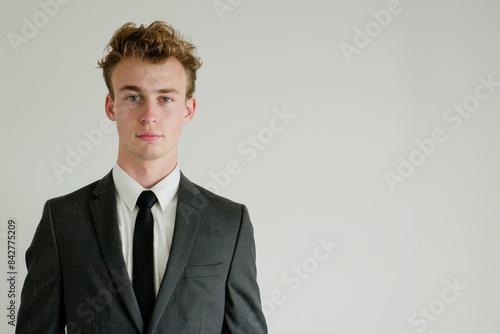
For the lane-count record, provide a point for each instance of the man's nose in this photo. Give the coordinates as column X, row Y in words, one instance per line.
column 149, row 112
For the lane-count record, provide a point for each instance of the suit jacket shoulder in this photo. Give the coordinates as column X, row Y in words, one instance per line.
column 87, row 192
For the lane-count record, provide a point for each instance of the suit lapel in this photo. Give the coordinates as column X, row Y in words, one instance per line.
column 104, row 217
column 190, row 204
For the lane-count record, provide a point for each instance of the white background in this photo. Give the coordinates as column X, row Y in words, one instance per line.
column 323, row 175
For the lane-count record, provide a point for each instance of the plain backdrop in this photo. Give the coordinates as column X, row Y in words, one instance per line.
column 362, row 135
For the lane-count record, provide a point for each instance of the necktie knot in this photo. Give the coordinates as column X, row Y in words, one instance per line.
column 146, row 199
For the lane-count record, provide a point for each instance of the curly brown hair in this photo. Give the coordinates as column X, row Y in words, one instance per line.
column 155, row 43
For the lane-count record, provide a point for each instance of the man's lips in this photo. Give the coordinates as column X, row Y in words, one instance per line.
column 148, row 136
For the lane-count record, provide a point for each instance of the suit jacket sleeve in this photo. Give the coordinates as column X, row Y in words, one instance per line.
column 42, row 309
column 243, row 310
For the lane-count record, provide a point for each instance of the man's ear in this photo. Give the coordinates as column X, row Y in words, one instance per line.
column 110, row 108
column 189, row 110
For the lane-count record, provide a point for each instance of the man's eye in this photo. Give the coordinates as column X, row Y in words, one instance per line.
column 165, row 99
column 133, row 98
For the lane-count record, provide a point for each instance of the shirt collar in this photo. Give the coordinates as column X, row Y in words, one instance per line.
column 129, row 190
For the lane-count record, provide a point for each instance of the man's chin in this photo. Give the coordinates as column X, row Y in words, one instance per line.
column 147, row 154
column 150, row 156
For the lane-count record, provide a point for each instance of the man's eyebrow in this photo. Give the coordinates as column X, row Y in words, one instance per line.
column 139, row 90
column 130, row 87
column 168, row 90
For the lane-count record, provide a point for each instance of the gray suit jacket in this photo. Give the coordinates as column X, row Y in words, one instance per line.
column 77, row 276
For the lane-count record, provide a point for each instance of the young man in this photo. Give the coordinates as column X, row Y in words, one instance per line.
column 103, row 260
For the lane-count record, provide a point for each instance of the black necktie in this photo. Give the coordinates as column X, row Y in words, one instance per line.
column 143, row 256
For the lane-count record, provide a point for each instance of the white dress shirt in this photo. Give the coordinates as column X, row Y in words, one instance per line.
column 127, row 193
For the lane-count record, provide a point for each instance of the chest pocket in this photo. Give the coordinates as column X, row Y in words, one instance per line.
column 205, row 270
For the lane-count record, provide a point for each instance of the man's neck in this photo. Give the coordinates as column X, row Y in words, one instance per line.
column 148, row 173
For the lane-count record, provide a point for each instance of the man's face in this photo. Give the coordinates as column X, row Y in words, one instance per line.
column 149, row 107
